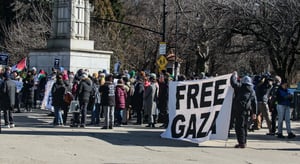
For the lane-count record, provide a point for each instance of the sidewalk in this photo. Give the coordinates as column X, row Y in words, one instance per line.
column 34, row 140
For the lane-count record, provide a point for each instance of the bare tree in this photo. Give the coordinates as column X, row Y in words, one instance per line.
column 29, row 31
column 268, row 28
column 218, row 35
column 141, row 45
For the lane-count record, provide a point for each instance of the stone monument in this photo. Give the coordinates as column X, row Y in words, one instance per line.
column 69, row 46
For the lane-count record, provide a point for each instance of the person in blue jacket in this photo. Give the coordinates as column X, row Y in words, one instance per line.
column 284, row 99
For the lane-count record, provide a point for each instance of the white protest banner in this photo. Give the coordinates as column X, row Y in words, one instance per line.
column 199, row 110
column 47, row 101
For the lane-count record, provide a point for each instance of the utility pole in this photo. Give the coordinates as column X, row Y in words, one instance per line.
column 176, row 47
column 162, row 32
column 164, row 22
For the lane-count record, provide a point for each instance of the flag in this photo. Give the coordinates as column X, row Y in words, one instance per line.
column 41, row 75
column 20, row 66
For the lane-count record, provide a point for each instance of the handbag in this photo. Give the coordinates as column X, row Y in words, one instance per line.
column 68, row 97
column 74, row 106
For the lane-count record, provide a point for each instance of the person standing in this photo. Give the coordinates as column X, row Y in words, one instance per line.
column 137, row 103
column 8, row 90
column 28, row 91
column 284, row 99
column 75, row 121
column 263, row 89
column 108, row 101
column 163, row 96
column 120, row 95
column 84, row 93
column 58, row 91
column 273, row 103
column 129, row 88
column 17, row 79
column 35, row 87
column 95, row 119
column 150, row 99
column 66, row 105
column 42, row 78
column 246, row 102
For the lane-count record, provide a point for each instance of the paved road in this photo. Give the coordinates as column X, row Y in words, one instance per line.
column 35, row 141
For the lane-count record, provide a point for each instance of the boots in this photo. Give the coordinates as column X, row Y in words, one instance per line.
column 151, row 125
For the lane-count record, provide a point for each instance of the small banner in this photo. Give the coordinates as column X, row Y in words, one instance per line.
column 47, row 101
column 199, row 110
column 3, row 58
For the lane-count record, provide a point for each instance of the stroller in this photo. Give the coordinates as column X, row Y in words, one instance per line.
column 75, row 110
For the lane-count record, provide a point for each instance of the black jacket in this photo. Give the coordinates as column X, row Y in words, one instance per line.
column 58, row 91
column 244, row 96
column 107, row 94
column 262, row 91
column 27, row 90
column 9, row 90
column 138, row 95
column 84, row 90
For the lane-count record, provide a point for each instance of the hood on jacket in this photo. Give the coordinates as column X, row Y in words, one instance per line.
column 247, row 80
column 87, row 81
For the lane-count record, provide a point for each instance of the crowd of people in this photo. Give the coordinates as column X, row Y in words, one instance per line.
column 116, row 98
column 119, row 98
column 260, row 98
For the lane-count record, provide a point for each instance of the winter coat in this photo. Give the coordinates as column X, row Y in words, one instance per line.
column 97, row 95
column 58, row 91
column 163, row 95
column 84, row 90
column 9, row 90
column 284, row 97
column 68, row 85
column 107, row 94
column 138, row 96
column 150, row 99
column 121, row 96
column 245, row 97
column 129, row 91
column 273, row 97
column 262, row 91
column 28, row 89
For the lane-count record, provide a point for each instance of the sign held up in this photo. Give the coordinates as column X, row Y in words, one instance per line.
column 199, row 110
